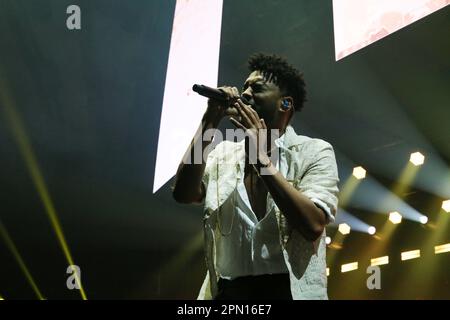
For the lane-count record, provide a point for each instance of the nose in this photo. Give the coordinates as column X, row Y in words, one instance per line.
column 247, row 94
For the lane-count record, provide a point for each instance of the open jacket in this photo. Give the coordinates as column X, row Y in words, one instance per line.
column 310, row 166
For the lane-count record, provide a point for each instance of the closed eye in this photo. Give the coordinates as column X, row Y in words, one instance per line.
column 257, row 86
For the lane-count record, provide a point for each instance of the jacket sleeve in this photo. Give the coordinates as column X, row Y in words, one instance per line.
column 320, row 181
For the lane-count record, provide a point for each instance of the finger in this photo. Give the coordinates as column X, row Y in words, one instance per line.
column 237, row 124
column 254, row 115
column 263, row 129
column 235, row 92
column 263, row 124
column 244, row 117
column 221, row 102
column 250, row 113
column 228, row 91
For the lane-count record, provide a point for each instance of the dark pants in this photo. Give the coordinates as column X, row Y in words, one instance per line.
column 263, row 287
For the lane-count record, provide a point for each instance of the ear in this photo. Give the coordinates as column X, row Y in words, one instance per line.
column 286, row 104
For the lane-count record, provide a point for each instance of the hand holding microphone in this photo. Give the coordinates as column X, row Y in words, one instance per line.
column 220, row 103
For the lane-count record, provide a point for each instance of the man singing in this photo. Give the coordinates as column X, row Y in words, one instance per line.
column 264, row 233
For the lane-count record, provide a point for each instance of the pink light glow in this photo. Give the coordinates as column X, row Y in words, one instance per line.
column 193, row 58
column 358, row 23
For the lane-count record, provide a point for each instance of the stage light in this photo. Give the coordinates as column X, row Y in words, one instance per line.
column 395, row 217
column 379, row 261
column 349, row 267
column 328, row 272
column 359, row 173
column 344, row 228
column 442, row 248
column 408, row 255
column 327, row 240
column 417, row 158
column 446, row 205
column 423, row 219
column 371, row 230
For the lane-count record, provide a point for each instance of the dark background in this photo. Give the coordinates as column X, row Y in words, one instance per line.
column 90, row 102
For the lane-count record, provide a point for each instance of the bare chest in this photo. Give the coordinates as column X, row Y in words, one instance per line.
column 257, row 194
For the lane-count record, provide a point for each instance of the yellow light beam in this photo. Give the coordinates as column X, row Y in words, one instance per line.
column 438, row 230
column 24, row 144
column 12, row 247
column 348, row 189
column 385, row 234
column 403, row 184
column 376, row 248
column 334, row 248
column 180, row 260
column 184, row 254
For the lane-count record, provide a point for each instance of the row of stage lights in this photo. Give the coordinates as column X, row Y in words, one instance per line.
column 417, row 159
column 394, row 217
column 407, row 255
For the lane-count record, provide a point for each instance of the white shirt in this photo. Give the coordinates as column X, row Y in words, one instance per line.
column 247, row 246
column 307, row 164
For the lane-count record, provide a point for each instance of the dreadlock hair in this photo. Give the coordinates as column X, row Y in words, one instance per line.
column 288, row 78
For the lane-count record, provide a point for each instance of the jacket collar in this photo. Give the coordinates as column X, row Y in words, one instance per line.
column 287, row 140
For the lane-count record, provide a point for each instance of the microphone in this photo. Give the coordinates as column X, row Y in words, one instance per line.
column 209, row 92
column 214, row 93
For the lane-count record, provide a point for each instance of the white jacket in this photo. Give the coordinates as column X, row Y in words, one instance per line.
column 310, row 166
